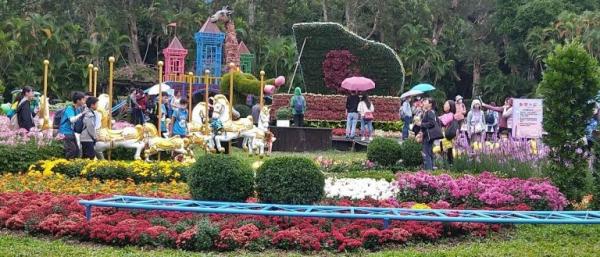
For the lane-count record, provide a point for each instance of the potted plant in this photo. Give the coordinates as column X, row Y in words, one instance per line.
column 283, row 114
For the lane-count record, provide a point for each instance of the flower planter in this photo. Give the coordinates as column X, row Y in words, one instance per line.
column 283, row 123
column 295, row 139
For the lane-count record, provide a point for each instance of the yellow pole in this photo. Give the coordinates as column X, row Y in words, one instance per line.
column 90, row 76
column 191, row 81
column 262, row 89
column 232, row 69
column 111, row 63
column 206, row 83
column 95, row 82
column 46, row 121
column 160, row 80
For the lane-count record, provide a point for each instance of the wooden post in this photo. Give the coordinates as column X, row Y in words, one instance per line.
column 111, row 62
column 95, row 91
column 90, row 77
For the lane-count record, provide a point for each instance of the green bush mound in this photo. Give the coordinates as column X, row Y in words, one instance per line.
column 244, row 110
column 19, row 157
column 410, row 153
column 376, row 60
column 220, row 178
column 290, row 180
column 384, row 151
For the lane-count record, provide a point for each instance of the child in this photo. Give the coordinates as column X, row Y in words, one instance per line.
column 88, row 135
column 179, row 119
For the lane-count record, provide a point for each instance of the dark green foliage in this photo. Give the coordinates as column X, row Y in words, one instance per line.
column 284, row 113
column 376, row 60
column 290, row 180
column 18, row 158
column 571, row 80
column 410, row 153
column 384, row 151
column 220, row 178
column 70, row 169
column 204, row 239
column 244, row 110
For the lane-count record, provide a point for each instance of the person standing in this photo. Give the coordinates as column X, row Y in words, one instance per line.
column 475, row 121
column 88, row 135
column 461, row 112
column 179, row 120
column 450, row 129
column 505, row 122
column 24, row 113
column 366, row 111
column 351, row 114
column 71, row 115
column 491, row 121
column 298, row 104
column 430, row 130
column 406, row 117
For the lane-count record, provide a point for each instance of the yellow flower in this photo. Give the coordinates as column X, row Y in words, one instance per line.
column 420, row 206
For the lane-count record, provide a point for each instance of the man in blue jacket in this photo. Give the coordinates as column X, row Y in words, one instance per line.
column 73, row 112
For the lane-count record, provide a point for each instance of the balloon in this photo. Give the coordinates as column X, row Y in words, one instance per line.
column 269, row 89
column 279, row 81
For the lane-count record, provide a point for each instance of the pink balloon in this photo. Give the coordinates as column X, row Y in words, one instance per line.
column 269, row 89
column 279, row 81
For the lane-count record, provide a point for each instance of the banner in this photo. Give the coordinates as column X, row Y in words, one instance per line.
column 527, row 118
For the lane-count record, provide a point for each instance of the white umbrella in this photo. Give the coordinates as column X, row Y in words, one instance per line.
column 154, row 89
column 410, row 93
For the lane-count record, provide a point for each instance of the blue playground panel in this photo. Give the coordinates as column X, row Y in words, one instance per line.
column 343, row 212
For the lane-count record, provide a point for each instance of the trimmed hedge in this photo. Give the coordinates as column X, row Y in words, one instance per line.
column 376, row 60
column 19, row 157
column 384, row 151
column 290, row 180
column 411, row 153
column 220, row 178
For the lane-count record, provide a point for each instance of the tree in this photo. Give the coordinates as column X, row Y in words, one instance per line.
column 571, row 81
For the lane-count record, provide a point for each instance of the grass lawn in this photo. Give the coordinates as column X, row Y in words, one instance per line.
column 526, row 240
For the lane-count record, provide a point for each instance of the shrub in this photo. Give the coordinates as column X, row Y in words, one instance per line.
column 201, row 237
column 109, row 170
column 571, row 74
column 244, row 110
column 19, row 157
column 70, row 168
column 284, row 113
column 220, row 178
column 411, row 153
column 290, row 180
column 384, row 151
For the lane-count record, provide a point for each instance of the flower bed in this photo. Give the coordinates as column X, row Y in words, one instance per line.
column 483, row 191
column 333, row 107
column 360, row 188
column 62, row 216
column 22, row 136
column 139, row 171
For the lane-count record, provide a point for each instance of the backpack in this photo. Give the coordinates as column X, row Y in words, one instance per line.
column 78, row 125
column 56, row 121
column 452, row 130
column 299, row 105
column 489, row 118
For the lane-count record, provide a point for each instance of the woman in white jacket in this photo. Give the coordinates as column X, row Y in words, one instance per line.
column 366, row 109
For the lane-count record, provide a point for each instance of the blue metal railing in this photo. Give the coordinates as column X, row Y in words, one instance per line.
column 345, row 212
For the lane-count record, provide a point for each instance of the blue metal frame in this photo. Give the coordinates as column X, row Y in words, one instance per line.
column 209, row 52
column 343, row 212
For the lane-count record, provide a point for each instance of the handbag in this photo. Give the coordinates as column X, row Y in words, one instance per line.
column 368, row 116
column 436, row 132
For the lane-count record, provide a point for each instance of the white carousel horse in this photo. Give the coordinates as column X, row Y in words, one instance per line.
column 263, row 137
column 111, row 139
column 232, row 129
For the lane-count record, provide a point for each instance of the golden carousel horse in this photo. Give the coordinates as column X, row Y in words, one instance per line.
column 160, row 144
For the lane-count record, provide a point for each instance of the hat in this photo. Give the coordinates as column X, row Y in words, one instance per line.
column 458, row 97
column 475, row 102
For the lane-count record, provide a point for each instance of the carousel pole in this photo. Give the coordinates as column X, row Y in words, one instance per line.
column 90, row 77
column 232, row 69
column 191, row 84
column 95, row 82
column 111, row 63
column 262, row 89
column 206, row 83
column 46, row 121
column 160, row 81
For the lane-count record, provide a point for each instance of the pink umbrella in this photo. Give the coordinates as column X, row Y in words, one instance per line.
column 358, row 84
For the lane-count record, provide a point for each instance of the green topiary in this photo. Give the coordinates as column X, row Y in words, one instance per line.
column 284, row 113
column 411, row 153
column 28, row 154
column 384, row 151
column 290, row 180
column 244, row 84
column 244, row 110
column 375, row 60
column 220, row 178
column 573, row 75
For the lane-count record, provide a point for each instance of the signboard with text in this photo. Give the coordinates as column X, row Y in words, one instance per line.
column 528, row 115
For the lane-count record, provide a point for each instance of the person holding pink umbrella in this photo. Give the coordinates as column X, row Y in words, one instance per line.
column 366, row 111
